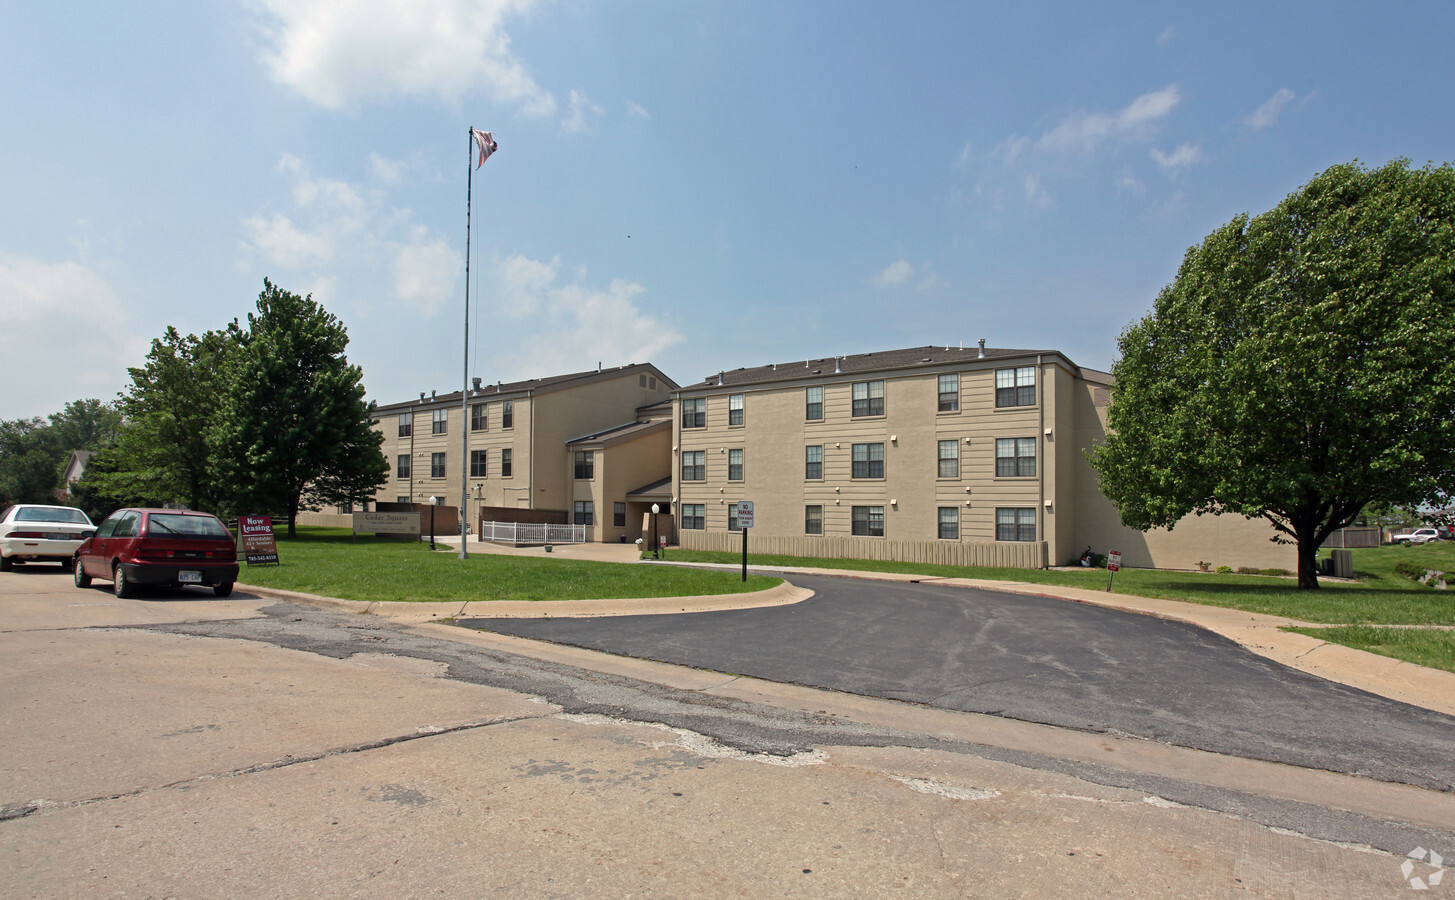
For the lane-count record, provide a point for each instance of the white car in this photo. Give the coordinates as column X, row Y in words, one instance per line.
column 1418, row 536
column 30, row 532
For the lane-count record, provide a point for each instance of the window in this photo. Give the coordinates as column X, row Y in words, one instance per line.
column 813, row 520
column 694, row 465
column 735, row 409
column 401, row 500
column 618, row 514
column 949, row 393
column 507, row 414
column 869, row 521
column 505, row 463
column 949, row 523
column 403, row 470
column 1015, row 387
column 813, row 398
column 478, row 466
column 652, row 382
column 868, row 398
column 441, row 421
column 642, row 380
column 694, row 516
column 479, row 420
column 694, row 413
column 735, row 465
column 346, row 507
column 1015, row 524
column 813, row 462
column 1015, row 457
column 585, row 465
column 406, row 424
column 949, row 459
column 585, row 513
column 868, row 461
column 733, row 518
column 437, row 465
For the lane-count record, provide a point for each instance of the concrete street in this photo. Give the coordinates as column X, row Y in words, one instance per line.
column 183, row 745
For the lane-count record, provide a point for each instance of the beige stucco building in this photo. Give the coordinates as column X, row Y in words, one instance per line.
column 579, row 443
column 960, row 456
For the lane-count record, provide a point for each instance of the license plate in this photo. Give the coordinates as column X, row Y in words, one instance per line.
column 190, row 577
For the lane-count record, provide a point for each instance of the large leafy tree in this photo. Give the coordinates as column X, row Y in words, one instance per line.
column 294, row 432
column 30, row 470
column 173, row 402
column 1299, row 367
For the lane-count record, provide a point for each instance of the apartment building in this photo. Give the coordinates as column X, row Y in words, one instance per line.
column 932, row 454
column 579, row 443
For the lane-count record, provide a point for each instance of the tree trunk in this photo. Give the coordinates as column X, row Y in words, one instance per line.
column 1308, row 564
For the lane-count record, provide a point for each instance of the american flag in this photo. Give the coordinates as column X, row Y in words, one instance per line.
column 486, row 143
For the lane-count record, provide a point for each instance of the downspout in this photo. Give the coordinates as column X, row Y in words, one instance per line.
column 530, row 472
column 1040, row 452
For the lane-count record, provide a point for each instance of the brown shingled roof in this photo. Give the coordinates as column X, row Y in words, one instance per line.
column 553, row 382
column 881, row 361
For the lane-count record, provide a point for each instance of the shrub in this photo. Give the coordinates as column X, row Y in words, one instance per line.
column 1410, row 571
column 1247, row 570
column 1283, row 572
column 1225, row 570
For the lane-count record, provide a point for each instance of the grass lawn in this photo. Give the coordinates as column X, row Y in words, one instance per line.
column 331, row 562
column 1433, row 648
column 1380, row 597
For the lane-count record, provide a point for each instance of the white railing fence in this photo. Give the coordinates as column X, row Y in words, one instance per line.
column 532, row 533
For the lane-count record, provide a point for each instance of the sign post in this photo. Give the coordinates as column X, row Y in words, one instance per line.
column 745, row 521
column 1113, row 565
column 255, row 533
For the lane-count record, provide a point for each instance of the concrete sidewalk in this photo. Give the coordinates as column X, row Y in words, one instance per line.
column 1387, row 677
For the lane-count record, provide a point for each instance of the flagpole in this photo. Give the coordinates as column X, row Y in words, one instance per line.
column 465, row 385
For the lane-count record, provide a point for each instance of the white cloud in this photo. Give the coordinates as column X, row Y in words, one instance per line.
column 46, row 306
column 1036, row 194
column 897, row 273
column 1167, row 36
column 967, row 153
column 1126, row 181
column 582, row 114
column 1010, row 149
column 1184, row 156
column 341, row 53
column 425, row 272
column 1267, row 114
column 1082, row 132
column 902, row 272
column 563, row 324
column 345, row 228
column 635, row 110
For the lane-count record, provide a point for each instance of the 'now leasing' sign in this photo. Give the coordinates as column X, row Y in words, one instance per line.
column 256, row 533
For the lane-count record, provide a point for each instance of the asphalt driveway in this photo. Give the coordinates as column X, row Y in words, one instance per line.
column 1038, row 660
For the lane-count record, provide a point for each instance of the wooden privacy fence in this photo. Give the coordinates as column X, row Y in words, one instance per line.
column 1007, row 554
column 1349, row 538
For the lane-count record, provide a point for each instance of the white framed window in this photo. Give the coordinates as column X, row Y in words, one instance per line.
column 949, row 393
column 437, row 465
column 868, row 398
column 403, row 470
column 868, row 521
column 949, row 523
column 441, row 421
column 694, row 516
column 1015, row 387
column 507, row 414
column 585, row 512
column 735, row 465
column 507, row 459
column 735, row 409
column 813, row 403
column 478, row 463
column 585, row 468
column 694, row 413
column 1015, row 457
column 694, row 465
column 406, row 424
column 813, row 462
column 868, row 461
column 1015, row 524
column 479, row 419
column 949, row 460
column 813, row 520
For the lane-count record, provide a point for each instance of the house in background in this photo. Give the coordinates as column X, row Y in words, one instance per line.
column 569, row 448
column 930, row 454
column 75, row 469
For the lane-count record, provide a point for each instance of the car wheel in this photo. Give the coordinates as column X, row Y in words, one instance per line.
column 222, row 590
column 5, row 563
column 79, row 574
column 120, row 586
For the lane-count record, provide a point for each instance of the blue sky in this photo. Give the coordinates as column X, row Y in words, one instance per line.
column 702, row 186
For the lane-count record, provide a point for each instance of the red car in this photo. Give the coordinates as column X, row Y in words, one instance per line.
column 159, row 547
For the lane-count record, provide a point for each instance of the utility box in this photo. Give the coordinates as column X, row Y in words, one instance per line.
column 1343, row 563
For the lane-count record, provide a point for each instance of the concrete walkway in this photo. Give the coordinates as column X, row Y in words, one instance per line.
column 1387, row 677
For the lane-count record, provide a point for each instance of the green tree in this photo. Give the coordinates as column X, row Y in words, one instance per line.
column 162, row 453
column 29, row 462
column 1299, row 367
column 295, row 431
column 85, row 425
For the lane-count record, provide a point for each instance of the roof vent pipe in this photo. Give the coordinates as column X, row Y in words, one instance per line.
column 982, row 348
column 477, row 381
column 837, row 367
column 431, row 395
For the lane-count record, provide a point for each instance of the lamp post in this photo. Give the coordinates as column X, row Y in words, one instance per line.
column 433, row 501
column 655, row 509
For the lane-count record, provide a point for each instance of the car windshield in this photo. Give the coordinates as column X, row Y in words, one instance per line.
column 172, row 525
column 51, row 514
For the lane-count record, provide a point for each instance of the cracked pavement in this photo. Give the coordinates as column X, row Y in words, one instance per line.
column 182, row 746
